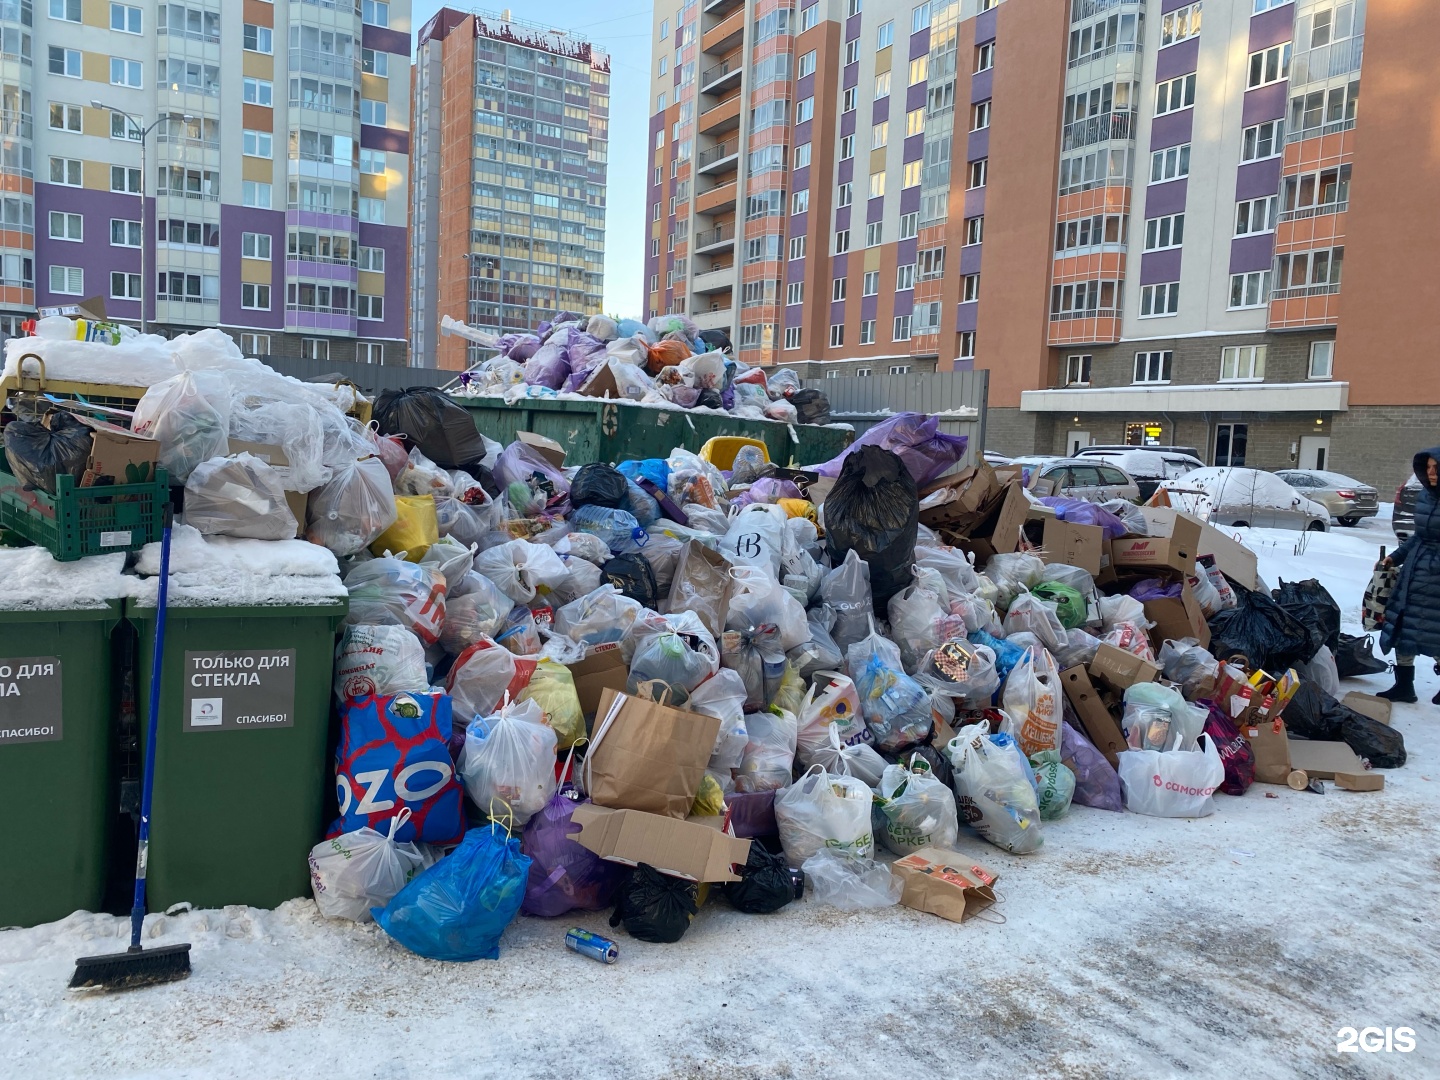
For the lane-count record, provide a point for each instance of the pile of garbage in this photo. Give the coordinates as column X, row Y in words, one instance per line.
column 667, row 362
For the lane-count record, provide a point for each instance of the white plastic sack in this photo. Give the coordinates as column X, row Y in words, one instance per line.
column 679, row 652
column 851, row 884
column 189, row 415
column 952, row 565
column 379, row 660
column 824, row 810
column 599, row 617
column 854, row 759
column 451, row 558
column 1181, row 721
column 831, row 704
column 361, row 870
column 914, row 810
column 1319, row 669
column 521, row 569
column 293, row 426
column 846, row 589
column 1176, row 783
column 896, row 708
column 478, row 680
column 421, row 476
column 769, row 751
column 757, row 599
column 1032, row 698
column 238, row 496
column 995, row 789
column 509, row 758
column 723, row 697
column 920, row 618
column 477, row 613
column 756, row 537
column 353, row 509
column 1029, row 614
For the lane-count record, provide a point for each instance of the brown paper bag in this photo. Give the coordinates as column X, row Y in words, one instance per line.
column 645, row 756
column 702, row 585
column 945, row 883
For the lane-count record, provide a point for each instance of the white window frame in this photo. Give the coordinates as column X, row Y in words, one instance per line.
column 1325, row 348
column 256, row 245
column 792, row 333
column 1078, row 369
column 375, row 12
column 910, row 225
column 800, row 201
column 67, row 114
column 372, row 211
column 258, row 144
column 123, row 71
column 1268, row 66
column 794, row 293
column 805, row 109
column 867, row 331
column 72, row 279
column 379, row 112
column 842, row 241
column 65, row 8
column 250, row 344
column 130, row 285
column 126, row 175
column 1158, row 367
column 879, row 134
column 797, row 248
column 837, row 335
column 844, row 194
column 263, row 88
column 66, row 56
column 899, row 369
column 1246, row 363
column 874, row 233
column 1164, row 233
column 911, row 175
column 365, row 304
column 69, row 167
column 1172, row 163
column 1179, row 89
column 263, row 35
column 838, row 289
column 802, row 155
column 1267, row 207
column 919, row 17
column 255, row 194
column 852, row 51
column 885, row 35
column 848, row 99
column 1180, row 25
column 904, row 277
column 900, row 329
column 967, row 345
column 1252, row 282
column 980, row 168
column 877, row 185
column 847, row 147
column 130, row 228
column 870, row 283
column 254, row 288
column 980, row 115
column 969, row 288
column 882, row 86
column 806, row 66
column 1250, row 144
column 1159, row 301
column 975, row 230
column 68, row 220
column 984, row 56
column 370, row 352
column 863, row 373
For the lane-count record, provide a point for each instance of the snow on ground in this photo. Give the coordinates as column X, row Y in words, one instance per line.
column 1131, row 946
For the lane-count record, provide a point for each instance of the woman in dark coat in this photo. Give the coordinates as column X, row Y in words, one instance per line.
column 1412, row 617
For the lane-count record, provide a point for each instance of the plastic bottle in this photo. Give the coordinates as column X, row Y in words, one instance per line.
column 618, row 528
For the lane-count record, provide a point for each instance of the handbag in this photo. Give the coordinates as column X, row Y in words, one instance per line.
column 1377, row 594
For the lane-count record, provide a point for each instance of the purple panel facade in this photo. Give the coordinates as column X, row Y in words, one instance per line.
column 847, row 123
column 94, row 255
column 1267, row 103
column 974, row 202
column 840, row 265
column 905, row 250
column 314, row 219
column 801, row 179
column 320, row 271
column 1177, row 60
column 914, row 148
column 1168, row 6
column 383, row 39
column 880, row 110
column 919, row 44
column 837, row 307
column 1167, row 198
column 384, row 138
column 905, row 301
column 978, row 145
column 967, row 316
column 1251, row 253
column 910, row 199
column 869, row 307
column 970, row 259
column 985, row 25
column 1157, row 266
column 852, row 26
column 392, row 238
column 1172, row 129
column 982, row 84
column 874, row 210
column 845, row 171
column 850, row 77
column 1272, row 27
column 915, row 96
column 1257, row 178
column 842, row 217
column 805, row 87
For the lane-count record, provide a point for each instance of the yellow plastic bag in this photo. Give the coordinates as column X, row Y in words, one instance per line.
column 797, row 508
column 415, row 528
column 709, row 799
column 552, row 687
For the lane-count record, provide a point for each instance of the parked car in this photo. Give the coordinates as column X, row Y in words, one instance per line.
column 1146, row 466
column 1244, row 497
column 1077, row 478
column 1115, row 448
column 995, row 460
column 1347, row 499
column 1404, row 516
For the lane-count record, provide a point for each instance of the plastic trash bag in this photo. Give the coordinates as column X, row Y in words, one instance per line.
column 1055, row 782
column 723, row 697
column 1313, row 607
column 846, row 590
column 296, row 427
column 457, row 909
column 1175, row 783
column 952, row 565
column 766, row 883
column 682, row 654
column 1081, row 512
column 1096, row 783
column 1314, row 714
column 926, row 451
column 564, row 875
column 701, row 585
column 392, row 592
column 962, row 671
column 189, row 415
column 481, row 677
column 1078, row 648
column 873, row 509
column 758, row 600
column 421, row 476
column 379, row 660
column 478, row 613
column 452, row 559
column 769, row 751
column 832, row 704
column 1067, row 602
column 755, row 655
column 1322, row 671
column 1030, row 614
column 914, row 810
column 443, row 430
column 756, row 537
column 1185, row 719
column 354, row 508
column 522, row 569
column 238, row 496
column 995, row 789
column 1185, row 663
column 820, row 652
column 39, row 452
column 509, row 758
column 920, row 619
column 583, row 545
column 896, row 708
column 633, row 575
column 655, row 907
column 1131, row 638
column 359, row 870
column 416, row 527
column 824, row 810
column 524, row 465
column 1260, row 630
column 1013, row 574
column 1032, row 698
column 851, row 884
column 552, row 687
column 598, row 617
column 1217, row 579
column 1235, row 752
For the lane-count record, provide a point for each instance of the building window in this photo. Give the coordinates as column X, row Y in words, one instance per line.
column 1269, row 66
column 837, row 288
column 864, row 373
column 1157, row 300
column 1242, row 363
column 259, row 92
column 794, row 293
column 255, row 297
column 126, row 181
column 124, row 286
column 911, row 176
column 904, row 277
column 1090, row 232
column 847, row 100
column 1153, row 367
column 844, row 194
column 867, row 331
column 967, row 345
column 315, row 348
column 65, row 62
column 1324, row 112
column 852, row 52
column 797, row 248
column 879, row 134
column 919, row 18
column 792, row 337
column 187, row 288
column 899, row 369
column 1256, row 215
column 370, row 306
column 919, row 68
column 805, row 110
column 257, row 144
column 255, row 344
column 375, row 12
column 375, row 62
column 256, row 194
column 1263, row 141
column 255, row 246
column 66, row 117
column 809, row 17
column 67, row 280
column 664, row 65
column 258, row 39
column 1249, row 290
column 847, row 147
column 126, row 73
column 800, row 201
column 67, row 171
column 373, row 112
column 806, row 65
column 664, row 29
column 1175, row 95
column 980, row 115
column 870, row 283
column 750, row 336
column 124, row 233
column 369, row 352
column 802, row 155
column 837, row 335
column 1266, row 5
column 978, row 169
column 1180, row 24
column 1230, row 440
column 68, row 10
column 1322, row 359
column 932, row 264
column 1170, row 164
column 970, row 288
column 882, row 85
column 1308, row 273
column 909, row 225
column 901, row 330
column 1164, row 232
column 65, row 226
column 842, row 241
column 975, row 229
column 1324, row 192
column 372, row 211
column 877, row 185
column 885, row 35
column 374, row 162
column 985, row 56
column 1077, row 369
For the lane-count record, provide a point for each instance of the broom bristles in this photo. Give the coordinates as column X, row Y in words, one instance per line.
column 132, row 969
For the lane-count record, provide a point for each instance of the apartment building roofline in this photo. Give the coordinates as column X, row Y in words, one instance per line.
column 501, row 27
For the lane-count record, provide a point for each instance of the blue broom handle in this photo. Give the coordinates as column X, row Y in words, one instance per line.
column 142, row 855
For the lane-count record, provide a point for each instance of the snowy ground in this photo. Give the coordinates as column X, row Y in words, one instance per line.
column 1130, row 946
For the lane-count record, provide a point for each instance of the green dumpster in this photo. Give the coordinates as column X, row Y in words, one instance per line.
column 56, row 762
column 598, row 430
column 240, row 768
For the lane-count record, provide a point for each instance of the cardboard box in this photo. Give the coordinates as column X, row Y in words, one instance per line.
column 945, row 883
column 548, row 449
column 299, row 503
column 694, row 849
column 1175, row 619
column 1100, row 726
column 1121, row 669
column 1075, row 545
column 604, row 669
column 1177, row 551
column 1365, row 781
column 953, row 501
column 1376, row 708
column 120, row 455
column 1234, row 559
column 1323, row 760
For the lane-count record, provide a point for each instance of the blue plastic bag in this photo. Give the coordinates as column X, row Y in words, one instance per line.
column 1007, row 653
column 656, row 470
column 458, row 908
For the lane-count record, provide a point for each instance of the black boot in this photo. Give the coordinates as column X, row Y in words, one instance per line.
column 1436, row 699
column 1404, row 688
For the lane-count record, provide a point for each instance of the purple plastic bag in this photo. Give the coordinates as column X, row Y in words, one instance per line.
column 548, row 367
column 584, row 354
column 518, row 347
column 926, row 450
column 519, row 462
column 752, row 814
column 770, row 489
column 563, row 874
column 1080, row 512
column 1096, row 782
column 1156, row 589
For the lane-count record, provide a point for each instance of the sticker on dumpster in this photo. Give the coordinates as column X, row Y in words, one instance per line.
column 115, row 539
column 30, row 702
column 239, row 689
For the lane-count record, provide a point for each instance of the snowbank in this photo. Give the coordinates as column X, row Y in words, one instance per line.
column 35, row 581
column 225, row 571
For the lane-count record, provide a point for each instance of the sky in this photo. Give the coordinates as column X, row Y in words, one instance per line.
column 625, row 35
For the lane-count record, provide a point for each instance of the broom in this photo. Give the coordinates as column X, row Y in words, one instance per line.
column 137, row 967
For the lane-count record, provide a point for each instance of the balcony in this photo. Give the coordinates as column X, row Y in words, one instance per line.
column 1093, row 129
column 717, row 200
column 723, row 75
column 717, row 280
column 721, row 118
column 719, row 158
column 717, row 319
column 720, row 7
column 715, row 239
column 724, row 35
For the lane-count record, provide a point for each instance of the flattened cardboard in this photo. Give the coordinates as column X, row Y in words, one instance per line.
column 549, row 449
column 945, row 883
column 1175, row 619
column 600, row 671
column 694, row 849
column 1322, row 760
column 601, row 384
column 1365, row 781
column 1234, row 559
column 1176, row 551
column 952, row 500
column 1100, row 726
column 1121, row 669
column 1075, row 545
column 997, row 532
column 1376, row 708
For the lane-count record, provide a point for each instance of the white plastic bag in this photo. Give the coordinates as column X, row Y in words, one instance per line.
column 1319, row 669
column 920, row 618
column 421, row 476
column 757, row 599
column 189, row 415
column 350, row 512
column 599, row 617
column 293, row 426
column 914, row 810
column 679, row 652
column 1176, row 783
column 1013, row 574
column 756, row 537
column 238, row 496
column 995, row 789
column 379, row 660
column 831, row 704
column 522, row 569
column 509, row 758
column 1181, row 721
column 824, row 810
column 846, row 589
column 961, row 671
column 1032, row 698
column 361, row 870
column 478, row 680
column 452, row 558
column 769, row 751
column 854, row 759
column 851, row 884
column 896, row 708
column 723, row 697
column 1029, row 614
column 392, row 592
column 477, row 613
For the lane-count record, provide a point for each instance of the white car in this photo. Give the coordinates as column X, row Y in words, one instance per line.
column 1241, row 497
column 1147, row 467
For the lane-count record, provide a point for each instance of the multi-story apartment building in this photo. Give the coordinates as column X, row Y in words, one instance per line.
column 1135, row 213
column 275, row 176
column 511, row 130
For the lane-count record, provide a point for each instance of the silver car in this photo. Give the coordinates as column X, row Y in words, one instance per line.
column 1079, row 478
column 1347, row 499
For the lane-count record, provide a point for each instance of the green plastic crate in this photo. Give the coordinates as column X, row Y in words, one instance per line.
column 80, row 521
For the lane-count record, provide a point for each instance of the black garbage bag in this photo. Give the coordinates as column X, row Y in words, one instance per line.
column 717, row 339
column 1355, row 656
column 811, row 406
column 873, row 508
column 709, row 399
column 1260, row 630
column 1314, row 607
column 1314, row 714
column 598, row 484
column 427, row 418
column 939, row 764
column 655, row 907
column 635, row 577
column 38, row 453
column 766, row 883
